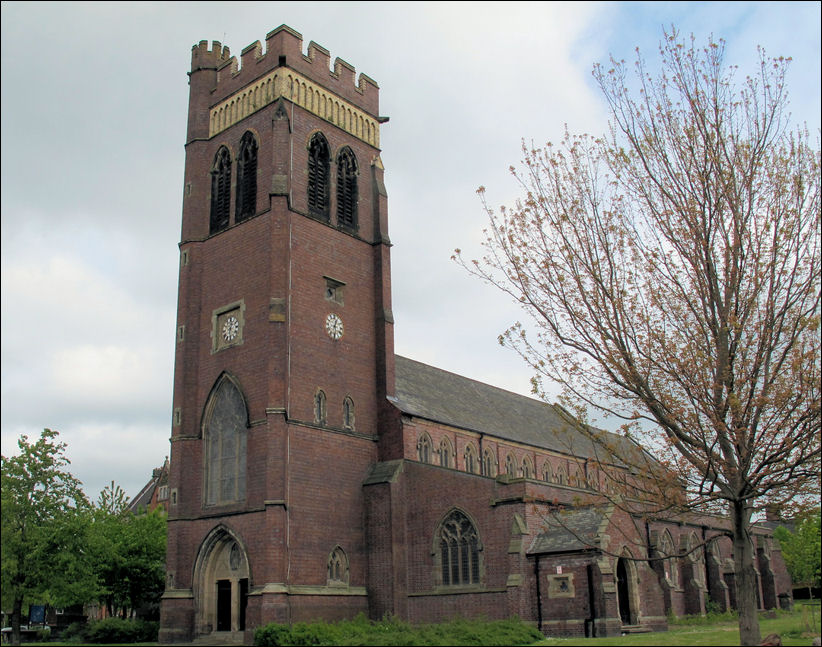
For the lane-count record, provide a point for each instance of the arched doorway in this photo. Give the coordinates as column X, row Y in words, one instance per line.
column 626, row 592
column 221, row 581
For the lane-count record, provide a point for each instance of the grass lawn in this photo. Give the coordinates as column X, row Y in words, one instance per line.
column 796, row 628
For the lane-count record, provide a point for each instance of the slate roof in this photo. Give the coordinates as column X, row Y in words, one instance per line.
column 440, row 396
column 570, row 531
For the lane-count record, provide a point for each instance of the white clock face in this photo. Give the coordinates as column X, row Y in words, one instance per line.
column 230, row 328
column 334, row 326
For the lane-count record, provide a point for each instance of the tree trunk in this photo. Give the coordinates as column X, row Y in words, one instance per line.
column 745, row 575
column 16, row 616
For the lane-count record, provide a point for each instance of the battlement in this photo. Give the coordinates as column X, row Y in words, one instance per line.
column 284, row 48
column 203, row 58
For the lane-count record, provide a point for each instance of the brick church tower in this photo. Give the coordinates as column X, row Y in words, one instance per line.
column 284, row 354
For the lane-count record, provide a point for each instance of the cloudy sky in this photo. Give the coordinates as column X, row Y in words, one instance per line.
column 94, row 101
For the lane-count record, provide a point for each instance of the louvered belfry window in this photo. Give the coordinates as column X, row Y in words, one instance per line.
column 347, row 189
column 247, row 178
column 220, row 190
column 318, row 172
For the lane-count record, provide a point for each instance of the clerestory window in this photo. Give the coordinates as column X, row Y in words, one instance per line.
column 489, row 463
column 445, row 452
column 471, row 461
column 527, row 469
column 424, row 448
column 510, row 466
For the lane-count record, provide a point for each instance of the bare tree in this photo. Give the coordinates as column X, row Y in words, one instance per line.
column 672, row 273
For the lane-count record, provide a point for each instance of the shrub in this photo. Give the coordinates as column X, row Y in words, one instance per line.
column 117, row 630
column 390, row 631
column 75, row 632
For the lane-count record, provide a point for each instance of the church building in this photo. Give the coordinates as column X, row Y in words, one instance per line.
column 314, row 474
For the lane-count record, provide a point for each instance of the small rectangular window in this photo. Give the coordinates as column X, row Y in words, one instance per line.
column 334, row 290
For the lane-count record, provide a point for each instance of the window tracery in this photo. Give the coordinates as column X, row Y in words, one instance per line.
column 424, row 448
column 224, row 432
column 489, row 463
column 338, row 570
column 470, row 459
column 445, row 452
column 459, row 551
column 527, row 469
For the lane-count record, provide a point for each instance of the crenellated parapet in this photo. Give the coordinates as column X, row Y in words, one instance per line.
column 203, row 58
column 260, row 78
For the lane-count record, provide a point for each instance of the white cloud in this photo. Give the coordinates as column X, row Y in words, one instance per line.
column 93, row 128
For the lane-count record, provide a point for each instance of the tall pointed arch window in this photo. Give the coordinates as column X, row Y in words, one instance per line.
column 220, row 190
column 697, row 558
column 458, row 551
column 318, row 172
column 348, row 413
column 224, row 432
column 547, row 473
column 347, row 196
column 669, row 559
column 246, row 178
column 320, row 408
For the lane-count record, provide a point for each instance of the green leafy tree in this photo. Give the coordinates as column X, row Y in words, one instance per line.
column 129, row 553
column 670, row 269
column 44, row 529
column 802, row 551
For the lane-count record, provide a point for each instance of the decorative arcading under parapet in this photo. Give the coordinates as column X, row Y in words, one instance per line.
column 286, row 83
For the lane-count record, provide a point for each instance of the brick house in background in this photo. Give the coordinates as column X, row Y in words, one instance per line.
column 154, row 493
column 314, row 473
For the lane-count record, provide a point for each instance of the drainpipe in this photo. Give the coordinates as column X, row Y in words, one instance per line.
column 539, row 593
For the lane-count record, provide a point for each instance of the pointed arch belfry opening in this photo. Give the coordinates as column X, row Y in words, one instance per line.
column 221, row 582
